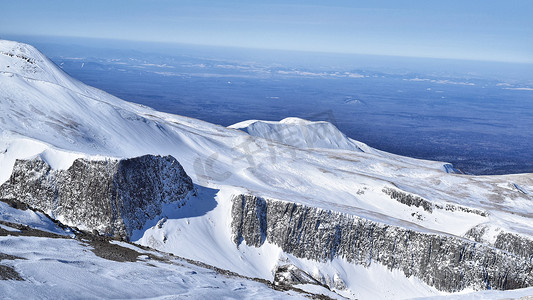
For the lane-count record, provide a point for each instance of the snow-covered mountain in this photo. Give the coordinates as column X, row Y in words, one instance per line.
column 272, row 199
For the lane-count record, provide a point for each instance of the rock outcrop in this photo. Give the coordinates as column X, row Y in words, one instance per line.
column 511, row 242
column 290, row 275
column 448, row 263
column 112, row 196
column 416, row 201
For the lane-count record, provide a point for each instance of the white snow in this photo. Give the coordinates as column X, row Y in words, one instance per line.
column 29, row 218
column 67, row 269
column 8, row 228
column 45, row 112
column 519, row 294
column 299, row 133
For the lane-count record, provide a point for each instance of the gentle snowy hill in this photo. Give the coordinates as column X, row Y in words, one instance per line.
column 45, row 113
column 304, row 134
column 300, row 133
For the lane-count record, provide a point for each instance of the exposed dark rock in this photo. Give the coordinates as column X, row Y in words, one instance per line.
column 451, row 207
column 446, row 262
column 408, row 199
column 476, row 233
column 250, row 228
column 511, row 242
column 8, row 257
column 289, row 275
column 416, row 201
column 25, row 230
column 8, row 273
column 15, row 204
column 105, row 249
column 113, row 196
column 516, row 244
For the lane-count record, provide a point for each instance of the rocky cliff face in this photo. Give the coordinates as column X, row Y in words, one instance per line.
column 113, row 196
column 517, row 244
column 449, row 263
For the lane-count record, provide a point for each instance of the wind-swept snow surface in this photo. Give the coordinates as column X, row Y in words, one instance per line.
column 57, row 268
column 44, row 112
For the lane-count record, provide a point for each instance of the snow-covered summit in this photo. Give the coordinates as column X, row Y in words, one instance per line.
column 300, row 133
column 25, row 60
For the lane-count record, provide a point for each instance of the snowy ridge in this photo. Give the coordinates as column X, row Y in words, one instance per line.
column 45, row 113
column 306, row 134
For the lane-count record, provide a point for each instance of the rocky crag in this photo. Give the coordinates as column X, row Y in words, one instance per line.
column 448, row 263
column 112, row 196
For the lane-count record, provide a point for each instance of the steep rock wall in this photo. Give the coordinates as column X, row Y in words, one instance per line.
column 113, row 196
column 448, row 263
column 517, row 244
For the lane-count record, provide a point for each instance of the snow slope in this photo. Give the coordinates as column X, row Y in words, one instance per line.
column 67, row 269
column 29, row 218
column 45, row 112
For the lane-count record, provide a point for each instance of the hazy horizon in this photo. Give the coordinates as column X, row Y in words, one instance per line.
column 474, row 30
column 51, row 46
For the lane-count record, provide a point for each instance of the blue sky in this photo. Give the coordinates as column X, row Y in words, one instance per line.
column 480, row 30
